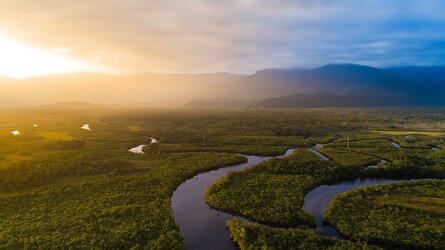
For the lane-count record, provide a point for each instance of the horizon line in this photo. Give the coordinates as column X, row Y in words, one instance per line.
column 217, row 72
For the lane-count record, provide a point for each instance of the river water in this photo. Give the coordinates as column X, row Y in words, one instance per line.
column 317, row 200
column 205, row 228
column 200, row 226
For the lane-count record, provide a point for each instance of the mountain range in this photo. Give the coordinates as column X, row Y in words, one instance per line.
column 341, row 84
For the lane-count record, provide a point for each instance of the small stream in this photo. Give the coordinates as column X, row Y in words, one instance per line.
column 313, row 150
column 322, row 156
column 140, row 149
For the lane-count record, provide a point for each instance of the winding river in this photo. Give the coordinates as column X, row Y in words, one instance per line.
column 205, row 228
column 200, row 226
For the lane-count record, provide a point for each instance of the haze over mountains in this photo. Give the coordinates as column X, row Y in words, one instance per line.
column 342, row 84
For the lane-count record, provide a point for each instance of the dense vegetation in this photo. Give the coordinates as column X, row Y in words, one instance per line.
column 400, row 215
column 111, row 211
column 252, row 236
column 273, row 192
column 64, row 187
column 89, row 192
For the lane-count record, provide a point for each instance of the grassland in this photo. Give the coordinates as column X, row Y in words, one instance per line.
column 64, row 187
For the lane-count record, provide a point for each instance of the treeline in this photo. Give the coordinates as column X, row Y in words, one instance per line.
column 252, row 236
column 260, row 150
column 186, row 126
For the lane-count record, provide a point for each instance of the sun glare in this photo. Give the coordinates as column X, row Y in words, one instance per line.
column 20, row 61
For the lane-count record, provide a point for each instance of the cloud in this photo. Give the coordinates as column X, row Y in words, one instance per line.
column 231, row 35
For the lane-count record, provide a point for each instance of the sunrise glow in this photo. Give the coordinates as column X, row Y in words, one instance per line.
column 237, row 124
column 20, row 61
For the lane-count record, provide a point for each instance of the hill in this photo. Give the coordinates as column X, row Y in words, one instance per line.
column 337, row 79
column 405, row 85
column 70, row 105
column 148, row 88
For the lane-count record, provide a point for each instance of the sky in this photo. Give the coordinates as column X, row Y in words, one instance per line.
column 238, row 36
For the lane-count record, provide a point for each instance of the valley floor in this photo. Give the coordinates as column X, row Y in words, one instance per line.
column 62, row 186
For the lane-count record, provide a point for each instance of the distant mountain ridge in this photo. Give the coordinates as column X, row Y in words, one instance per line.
column 147, row 88
column 338, row 79
column 400, row 84
column 71, row 105
column 409, row 85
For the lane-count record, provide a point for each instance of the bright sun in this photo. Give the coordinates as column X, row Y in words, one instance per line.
column 20, row 61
